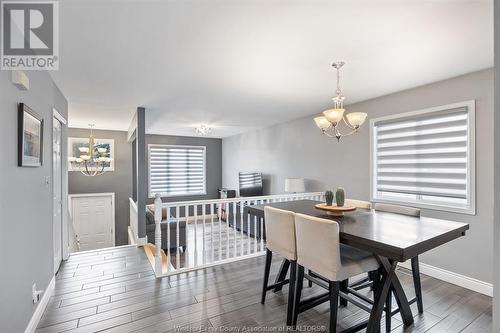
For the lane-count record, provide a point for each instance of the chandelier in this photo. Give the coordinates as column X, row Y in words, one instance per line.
column 93, row 159
column 330, row 122
column 202, row 130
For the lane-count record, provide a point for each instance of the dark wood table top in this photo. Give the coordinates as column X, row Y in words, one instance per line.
column 395, row 236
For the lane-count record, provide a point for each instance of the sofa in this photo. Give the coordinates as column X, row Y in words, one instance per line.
column 167, row 221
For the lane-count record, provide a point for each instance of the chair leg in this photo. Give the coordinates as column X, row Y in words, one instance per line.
column 269, row 257
column 291, row 293
column 343, row 288
column 334, row 305
column 415, row 269
column 309, row 283
column 388, row 311
column 298, row 292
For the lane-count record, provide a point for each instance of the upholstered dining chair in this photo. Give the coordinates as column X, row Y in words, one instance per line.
column 344, row 285
column 280, row 239
column 358, row 203
column 319, row 250
column 415, row 267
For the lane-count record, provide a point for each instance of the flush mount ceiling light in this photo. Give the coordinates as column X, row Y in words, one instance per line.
column 331, row 119
column 202, row 130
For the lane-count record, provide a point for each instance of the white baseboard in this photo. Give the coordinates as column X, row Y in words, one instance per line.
column 37, row 315
column 481, row 287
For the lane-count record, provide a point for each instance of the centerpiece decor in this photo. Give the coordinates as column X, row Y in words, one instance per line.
column 339, row 208
column 329, row 198
column 340, row 197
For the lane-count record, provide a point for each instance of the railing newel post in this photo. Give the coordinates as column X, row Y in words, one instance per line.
column 158, row 206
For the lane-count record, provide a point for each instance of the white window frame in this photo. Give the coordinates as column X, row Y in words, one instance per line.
column 471, row 159
column 164, row 195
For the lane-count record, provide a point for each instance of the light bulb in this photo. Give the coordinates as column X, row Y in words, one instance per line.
column 334, row 115
column 322, row 123
column 356, row 119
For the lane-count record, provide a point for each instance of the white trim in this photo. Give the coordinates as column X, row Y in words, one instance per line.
column 163, row 195
column 471, row 158
column 463, row 281
column 37, row 315
column 131, row 240
column 104, row 194
column 59, row 116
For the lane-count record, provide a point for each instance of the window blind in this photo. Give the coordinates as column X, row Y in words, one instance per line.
column 424, row 158
column 176, row 170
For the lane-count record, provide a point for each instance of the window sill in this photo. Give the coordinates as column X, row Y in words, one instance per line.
column 429, row 206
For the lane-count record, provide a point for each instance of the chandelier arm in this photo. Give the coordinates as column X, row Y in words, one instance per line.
column 347, row 123
column 328, row 134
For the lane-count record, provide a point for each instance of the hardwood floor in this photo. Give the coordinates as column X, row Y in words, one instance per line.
column 114, row 290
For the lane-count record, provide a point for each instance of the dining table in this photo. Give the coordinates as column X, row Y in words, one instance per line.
column 392, row 238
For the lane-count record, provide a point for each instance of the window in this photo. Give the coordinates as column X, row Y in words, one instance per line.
column 425, row 158
column 177, row 170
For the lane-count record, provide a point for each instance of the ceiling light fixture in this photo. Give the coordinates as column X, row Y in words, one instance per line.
column 202, row 130
column 331, row 119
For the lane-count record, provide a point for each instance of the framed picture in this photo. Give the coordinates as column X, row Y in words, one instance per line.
column 30, row 137
column 75, row 143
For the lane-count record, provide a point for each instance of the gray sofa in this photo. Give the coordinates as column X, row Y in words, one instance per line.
column 150, row 230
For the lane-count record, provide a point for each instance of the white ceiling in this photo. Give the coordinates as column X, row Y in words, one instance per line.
column 238, row 65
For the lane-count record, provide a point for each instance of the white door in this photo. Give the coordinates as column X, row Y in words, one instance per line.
column 57, row 192
column 93, row 221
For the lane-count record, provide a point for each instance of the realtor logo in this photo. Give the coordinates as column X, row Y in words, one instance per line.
column 29, row 35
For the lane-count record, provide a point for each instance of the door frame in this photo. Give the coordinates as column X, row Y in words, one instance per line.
column 64, row 185
column 103, row 194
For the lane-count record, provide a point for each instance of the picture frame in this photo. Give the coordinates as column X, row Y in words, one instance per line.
column 30, row 137
column 74, row 143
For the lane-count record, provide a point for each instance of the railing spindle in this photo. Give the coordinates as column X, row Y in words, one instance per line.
column 158, row 205
column 220, row 231
column 249, row 231
column 235, row 222
column 187, row 252
column 195, row 213
column 178, row 255
column 242, row 211
column 204, row 212
column 212, row 205
column 168, row 238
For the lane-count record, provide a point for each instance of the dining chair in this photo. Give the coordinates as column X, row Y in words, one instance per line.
column 358, row 203
column 319, row 250
column 371, row 275
column 280, row 239
column 415, row 267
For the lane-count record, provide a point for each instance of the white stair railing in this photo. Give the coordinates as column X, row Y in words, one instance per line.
column 206, row 233
column 133, row 230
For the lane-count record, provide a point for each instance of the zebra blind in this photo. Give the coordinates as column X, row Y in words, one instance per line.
column 176, row 170
column 425, row 158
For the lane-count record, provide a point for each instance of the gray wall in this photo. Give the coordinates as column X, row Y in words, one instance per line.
column 26, row 241
column 213, row 167
column 118, row 181
column 296, row 149
column 496, row 255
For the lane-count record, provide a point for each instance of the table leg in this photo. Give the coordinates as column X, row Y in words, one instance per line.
column 389, row 281
column 285, row 264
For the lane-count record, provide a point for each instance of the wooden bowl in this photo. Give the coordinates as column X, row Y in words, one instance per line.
column 335, row 210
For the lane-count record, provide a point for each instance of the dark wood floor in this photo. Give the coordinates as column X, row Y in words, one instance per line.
column 114, row 290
